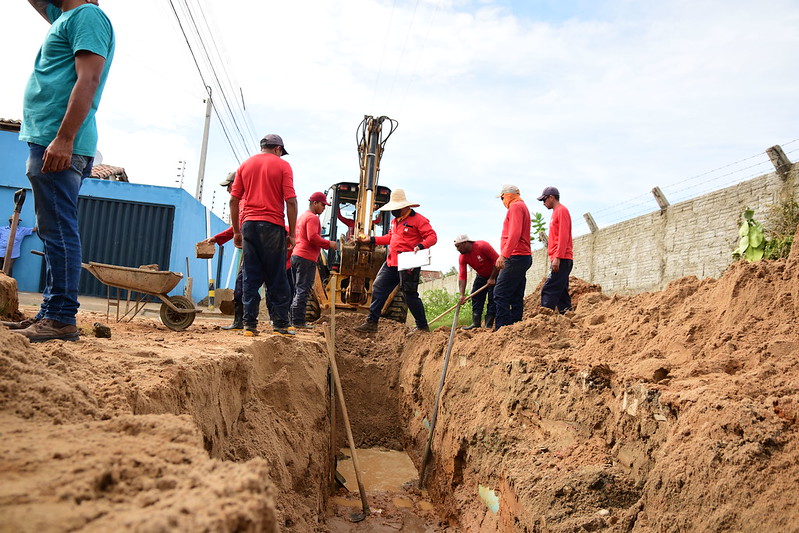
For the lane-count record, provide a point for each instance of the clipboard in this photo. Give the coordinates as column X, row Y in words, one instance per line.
column 409, row 260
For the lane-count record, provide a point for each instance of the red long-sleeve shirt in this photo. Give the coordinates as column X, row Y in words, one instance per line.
column 404, row 236
column 309, row 238
column 224, row 236
column 481, row 259
column 560, row 234
column 516, row 231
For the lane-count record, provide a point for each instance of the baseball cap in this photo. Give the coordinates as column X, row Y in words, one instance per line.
column 274, row 140
column 227, row 181
column 549, row 191
column 462, row 238
column 508, row 189
column 318, row 197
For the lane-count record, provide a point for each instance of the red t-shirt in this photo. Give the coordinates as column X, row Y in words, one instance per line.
column 405, row 235
column 309, row 240
column 481, row 259
column 264, row 182
column 516, row 231
column 560, row 234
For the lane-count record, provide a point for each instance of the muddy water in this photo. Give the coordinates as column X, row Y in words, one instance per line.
column 390, row 480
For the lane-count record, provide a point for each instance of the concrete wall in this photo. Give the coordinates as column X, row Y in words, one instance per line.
column 690, row 238
column 189, row 224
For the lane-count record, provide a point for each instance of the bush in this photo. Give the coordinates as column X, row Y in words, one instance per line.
column 437, row 301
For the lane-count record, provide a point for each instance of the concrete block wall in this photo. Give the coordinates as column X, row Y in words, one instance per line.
column 691, row 238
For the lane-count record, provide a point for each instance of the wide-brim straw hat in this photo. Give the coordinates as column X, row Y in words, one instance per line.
column 397, row 201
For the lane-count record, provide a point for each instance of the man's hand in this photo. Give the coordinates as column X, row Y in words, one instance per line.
column 555, row 264
column 290, row 242
column 333, row 245
column 500, row 264
column 416, row 248
column 491, row 281
column 237, row 240
column 462, row 299
column 210, row 240
column 57, row 156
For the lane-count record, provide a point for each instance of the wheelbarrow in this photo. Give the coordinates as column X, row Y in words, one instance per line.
column 177, row 312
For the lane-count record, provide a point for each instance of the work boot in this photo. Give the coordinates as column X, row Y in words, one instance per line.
column 476, row 320
column 367, row 327
column 50, row 330
column 285, row 332
column 250, row 331
column 22, row 324
column 489, row 321
column 238, row 317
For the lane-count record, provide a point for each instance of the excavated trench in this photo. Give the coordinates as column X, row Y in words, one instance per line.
column 668, row 411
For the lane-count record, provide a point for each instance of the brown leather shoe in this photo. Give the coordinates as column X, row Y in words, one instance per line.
column 50, row 330
column 22, row 324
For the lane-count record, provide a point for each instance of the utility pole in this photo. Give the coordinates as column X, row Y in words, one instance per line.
column 204, row 150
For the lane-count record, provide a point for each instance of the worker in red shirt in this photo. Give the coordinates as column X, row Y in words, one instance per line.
column 515, row 258
column 482, row 257
column 223, row 237
column 304, row 256
column 265, row 183
column 410, row 232
column 555, row 292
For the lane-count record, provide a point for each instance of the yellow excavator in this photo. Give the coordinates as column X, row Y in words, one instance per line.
column 354, row 211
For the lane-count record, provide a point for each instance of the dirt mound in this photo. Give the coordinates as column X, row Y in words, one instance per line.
column 673, row 410
column 663, row 411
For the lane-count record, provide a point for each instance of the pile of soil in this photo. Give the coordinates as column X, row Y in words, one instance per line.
column 673, row 410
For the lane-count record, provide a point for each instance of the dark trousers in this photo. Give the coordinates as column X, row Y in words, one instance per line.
column 408, row 280
column 555, row 292
column 265, row 263
column 304, row 273
column 478, row 300
column 237, row 289
column 509, row 290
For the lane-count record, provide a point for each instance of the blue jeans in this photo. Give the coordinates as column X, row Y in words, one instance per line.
column 555, row 292
column 509, row 290
column 264, row 246
column 304, row 273
column 55, row 197
column 478, row 300
column 408, row 280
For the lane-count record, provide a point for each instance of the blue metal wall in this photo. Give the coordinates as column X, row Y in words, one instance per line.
column 187, row 228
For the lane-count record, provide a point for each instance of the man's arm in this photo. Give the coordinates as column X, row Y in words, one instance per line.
column 41, row 7
column 89, row 68
column 291, row 213
column 234, row 221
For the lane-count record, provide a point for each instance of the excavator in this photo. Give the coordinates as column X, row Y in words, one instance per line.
column 354, row 211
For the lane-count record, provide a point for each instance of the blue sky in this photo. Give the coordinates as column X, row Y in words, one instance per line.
column 603, row 99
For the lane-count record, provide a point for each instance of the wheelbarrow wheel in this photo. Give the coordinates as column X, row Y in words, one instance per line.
column 174, row 320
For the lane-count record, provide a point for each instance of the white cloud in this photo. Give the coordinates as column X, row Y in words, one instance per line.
column 603, row 99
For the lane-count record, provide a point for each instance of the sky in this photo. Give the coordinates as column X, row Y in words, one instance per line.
column 604, row 99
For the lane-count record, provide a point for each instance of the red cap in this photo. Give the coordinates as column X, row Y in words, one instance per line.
column 318, row 197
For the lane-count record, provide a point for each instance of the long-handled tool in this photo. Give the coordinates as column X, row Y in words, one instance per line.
column 440, row 388
column 330, row 336
column 19, row 199
column 484, row 287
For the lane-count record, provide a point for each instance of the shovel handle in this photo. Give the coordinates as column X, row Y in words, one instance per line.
column 19, row 199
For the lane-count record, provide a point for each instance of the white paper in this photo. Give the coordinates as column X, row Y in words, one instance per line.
column 409, row 260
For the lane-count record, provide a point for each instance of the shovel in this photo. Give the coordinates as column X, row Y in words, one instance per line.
column 440, row 387
column 19, row 199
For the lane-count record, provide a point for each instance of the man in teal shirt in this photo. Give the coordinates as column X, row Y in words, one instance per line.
column 61, row 99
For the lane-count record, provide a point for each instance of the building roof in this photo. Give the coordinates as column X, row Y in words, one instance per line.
column 9, row 124
column 108, row 172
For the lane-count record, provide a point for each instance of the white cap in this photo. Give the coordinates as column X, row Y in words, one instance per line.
column 462, row 238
